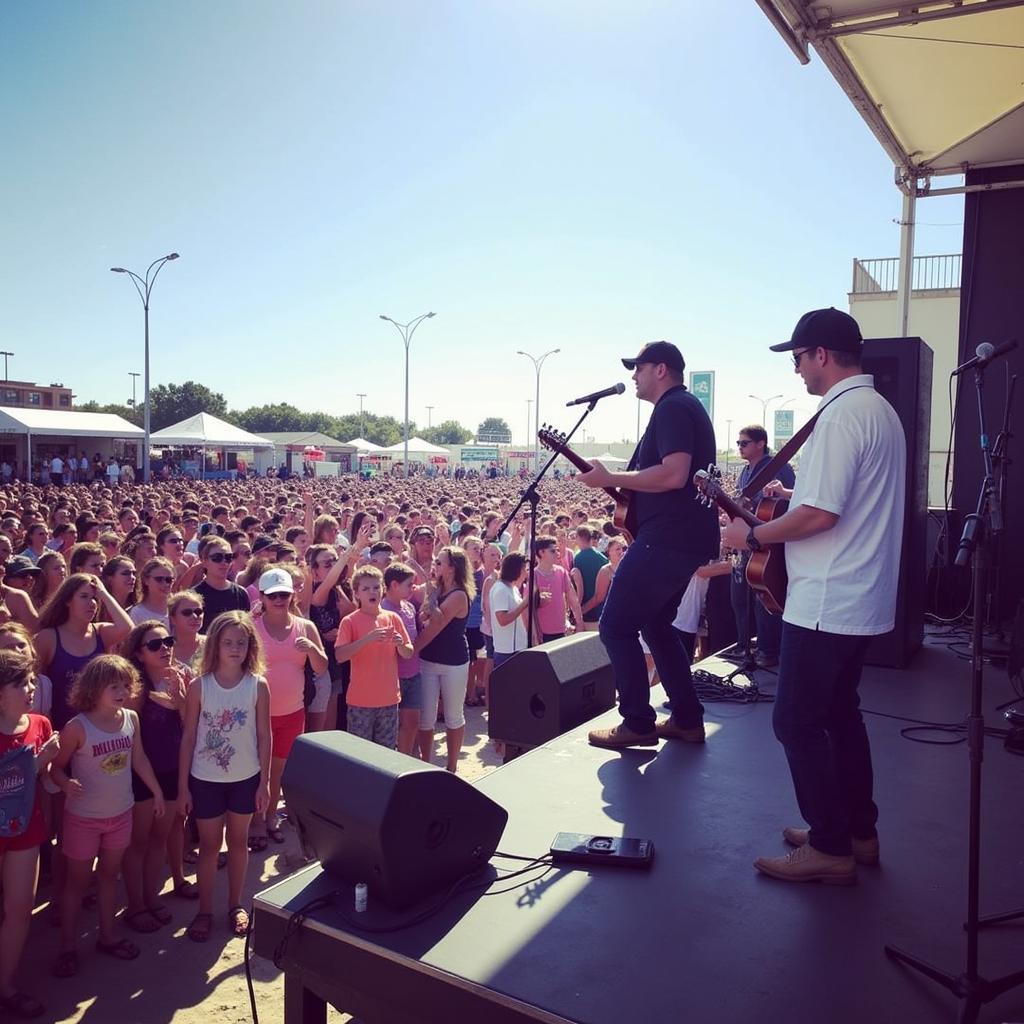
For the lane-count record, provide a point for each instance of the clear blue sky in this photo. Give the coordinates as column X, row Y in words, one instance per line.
column 586, row 176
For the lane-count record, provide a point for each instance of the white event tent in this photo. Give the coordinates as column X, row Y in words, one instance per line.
column 205, row 431
column 419, row 450
column 66, row 425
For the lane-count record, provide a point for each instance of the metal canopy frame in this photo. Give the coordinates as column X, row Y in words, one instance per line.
column 806, row 23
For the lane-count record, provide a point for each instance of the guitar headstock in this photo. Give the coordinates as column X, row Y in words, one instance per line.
column 552, row 439
column 708, row 484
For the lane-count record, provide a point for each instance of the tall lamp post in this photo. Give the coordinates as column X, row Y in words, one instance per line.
column 407, row 331
column 430, row 416
column 765, row 402
column 134, row 377
column 362, row 425
column 144, row 286
column 538, row 362
column 6, row 356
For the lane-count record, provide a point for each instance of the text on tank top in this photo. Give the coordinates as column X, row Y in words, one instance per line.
column 102, row 764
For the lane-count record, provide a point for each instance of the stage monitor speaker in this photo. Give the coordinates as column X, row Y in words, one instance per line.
column 719, row 615
column 406, row 828
column 902, row 368
column 549, row 689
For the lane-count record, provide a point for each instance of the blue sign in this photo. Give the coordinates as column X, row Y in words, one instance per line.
column 702, row 387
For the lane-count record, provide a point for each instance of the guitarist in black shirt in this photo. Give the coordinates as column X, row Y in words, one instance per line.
column 673, row 535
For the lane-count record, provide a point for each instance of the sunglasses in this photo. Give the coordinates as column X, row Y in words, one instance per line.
column 281, row 595
column 743, row 444
column 162, row 579
column 190, row 613
column 797, row 356
column 155, row 644
column 217, row 557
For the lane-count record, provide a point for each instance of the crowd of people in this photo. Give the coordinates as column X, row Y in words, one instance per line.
column 163, row 646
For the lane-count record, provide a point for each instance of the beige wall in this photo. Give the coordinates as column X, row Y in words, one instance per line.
column 934, row 317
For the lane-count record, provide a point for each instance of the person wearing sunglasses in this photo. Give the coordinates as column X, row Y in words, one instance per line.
column 160, row 705
column 155, row 585
column 219, row 594
column 185, row 611
column 752, row 443
column 288, row 642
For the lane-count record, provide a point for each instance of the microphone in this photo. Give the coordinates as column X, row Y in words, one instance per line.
column 615, row 389
column 984, row 354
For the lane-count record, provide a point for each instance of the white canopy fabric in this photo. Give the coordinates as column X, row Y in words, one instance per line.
column 417, row 446
column 365, row 446
column 206, row 431
column 609, row 459
column 940, row 85
column 66, row 423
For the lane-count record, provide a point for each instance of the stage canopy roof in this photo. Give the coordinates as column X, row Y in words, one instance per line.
column 363, row 445
column 417, row 446
column 206, row 431
column 940, row 84
column 66, row 423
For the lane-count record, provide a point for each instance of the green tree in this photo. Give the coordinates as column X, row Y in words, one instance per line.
column 449, row 432
column 492, row 426
column 125, row 411
column 282, row 417
column 171, row 403
column 382, row 430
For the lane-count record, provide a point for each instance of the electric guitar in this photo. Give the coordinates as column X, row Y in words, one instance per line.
column 623, row 516
column 766, row 570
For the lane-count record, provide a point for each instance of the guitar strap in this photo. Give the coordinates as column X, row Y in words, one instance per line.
column 789, row 449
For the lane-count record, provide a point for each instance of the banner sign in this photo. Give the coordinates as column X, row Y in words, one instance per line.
column 702, row 387
column 783, row 426
column 520, row 455
column 479, row 454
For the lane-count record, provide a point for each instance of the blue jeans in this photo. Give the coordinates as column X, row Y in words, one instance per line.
column 817, row 720
column 767, row 627
column 643, row 598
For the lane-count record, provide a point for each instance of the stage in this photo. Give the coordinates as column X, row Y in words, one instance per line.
column 701, row 936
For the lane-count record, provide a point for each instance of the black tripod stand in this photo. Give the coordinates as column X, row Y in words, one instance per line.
column 980, row 529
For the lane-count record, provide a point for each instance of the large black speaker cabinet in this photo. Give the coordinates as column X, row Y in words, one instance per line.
column 370, row 814
column 548, row 690
column 902, row 368
column 719, row 614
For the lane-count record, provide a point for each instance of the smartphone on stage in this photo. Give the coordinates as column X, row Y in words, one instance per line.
column 615, row 851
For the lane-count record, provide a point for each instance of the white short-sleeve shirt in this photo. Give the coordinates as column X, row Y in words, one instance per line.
column 844, row 580
column 513, row 637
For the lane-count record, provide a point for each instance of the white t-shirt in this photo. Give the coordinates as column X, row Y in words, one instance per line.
column 57, row 465
column 113, row 472
column 844, row 580
column 511, row 638
column 692, row 605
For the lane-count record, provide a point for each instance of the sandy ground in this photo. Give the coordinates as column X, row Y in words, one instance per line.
column 174, row 978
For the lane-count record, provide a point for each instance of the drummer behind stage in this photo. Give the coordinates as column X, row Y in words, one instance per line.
column 674, row 535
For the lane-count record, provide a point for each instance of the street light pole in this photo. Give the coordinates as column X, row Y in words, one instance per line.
column 430, row 418
column 362, row 425
column 6, row 355
column 538, row 362
column 407, row 331
column 144, row 286
column 764, row 406
column 134, row 377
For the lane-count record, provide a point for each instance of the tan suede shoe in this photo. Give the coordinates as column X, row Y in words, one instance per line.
column 619, row 737
column 669, row 729
column 865, row 851
column 806, row 864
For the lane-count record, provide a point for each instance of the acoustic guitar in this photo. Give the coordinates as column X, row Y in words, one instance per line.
column 766, row 570
column 623, row 517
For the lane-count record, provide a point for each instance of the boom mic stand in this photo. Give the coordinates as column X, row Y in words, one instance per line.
column 980, row 528
column 531, row 495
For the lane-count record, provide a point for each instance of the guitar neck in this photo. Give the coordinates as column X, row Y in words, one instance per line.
column 583, row 466
column 735, row 511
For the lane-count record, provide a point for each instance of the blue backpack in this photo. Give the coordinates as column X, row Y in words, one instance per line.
column 17, row 791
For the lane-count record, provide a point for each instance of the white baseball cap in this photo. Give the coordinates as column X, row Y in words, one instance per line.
column 277, row 581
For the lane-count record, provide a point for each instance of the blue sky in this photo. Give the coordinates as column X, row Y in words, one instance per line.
column 582, row 176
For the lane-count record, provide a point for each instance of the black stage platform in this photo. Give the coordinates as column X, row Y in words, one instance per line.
column 702, row 936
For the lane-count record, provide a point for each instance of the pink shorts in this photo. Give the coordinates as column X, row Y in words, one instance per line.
column 285, row 730
column 83, row 838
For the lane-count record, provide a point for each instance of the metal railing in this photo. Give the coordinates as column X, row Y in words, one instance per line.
column 930, row 273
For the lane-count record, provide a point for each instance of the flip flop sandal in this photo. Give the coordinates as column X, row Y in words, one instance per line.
column 276, row 835
column 142, row 921
column 238, row 922
column 257, row 842
column 120, row 950
column 22, row 1005
column 66, row 965
column 186, row 890
column 162, row 914
column 199, row 929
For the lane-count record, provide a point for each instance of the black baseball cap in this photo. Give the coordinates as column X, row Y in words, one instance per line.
column 658, row 352
column 22, row 565
column 824, row 328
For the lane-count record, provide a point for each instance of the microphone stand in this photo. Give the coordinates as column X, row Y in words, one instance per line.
column 531, row 495
column 979, row 528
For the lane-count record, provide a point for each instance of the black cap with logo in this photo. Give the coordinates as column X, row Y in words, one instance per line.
column 824, row 328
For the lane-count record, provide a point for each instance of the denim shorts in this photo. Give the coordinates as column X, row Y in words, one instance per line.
column 412, row 693
column 212, row 799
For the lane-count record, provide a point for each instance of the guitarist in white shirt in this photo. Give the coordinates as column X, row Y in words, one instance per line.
column 843, row 536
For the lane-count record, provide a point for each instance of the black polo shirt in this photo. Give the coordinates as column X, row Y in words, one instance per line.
column 675, row 519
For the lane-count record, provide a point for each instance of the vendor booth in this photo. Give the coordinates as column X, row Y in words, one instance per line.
column 205, row 447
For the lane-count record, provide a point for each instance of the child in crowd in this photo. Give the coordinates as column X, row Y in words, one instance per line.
column 398, row 583
column 102, row 747
column 373, row 639
column 22, row 829
column 224, row 771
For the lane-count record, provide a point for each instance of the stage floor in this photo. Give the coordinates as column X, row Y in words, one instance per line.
column 702, row 936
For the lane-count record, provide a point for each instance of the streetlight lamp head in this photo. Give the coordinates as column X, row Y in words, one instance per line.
column 383, row 317
column 118, row 270
column 520, row 352
column 172, row 256
column 429, row 315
